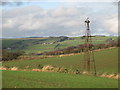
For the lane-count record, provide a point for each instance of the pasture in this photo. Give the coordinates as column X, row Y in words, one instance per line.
column 31, row 79
column 38, row 45
column 106, row 61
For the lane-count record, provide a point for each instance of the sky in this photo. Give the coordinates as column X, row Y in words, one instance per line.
column 54, row 18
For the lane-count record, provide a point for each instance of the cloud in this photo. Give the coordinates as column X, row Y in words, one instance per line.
column 11, row 3
column 111, row 24
column 45, row 22
column 66, row 0
column 59, row 21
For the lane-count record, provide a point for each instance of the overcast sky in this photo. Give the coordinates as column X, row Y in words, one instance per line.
column 41, row 19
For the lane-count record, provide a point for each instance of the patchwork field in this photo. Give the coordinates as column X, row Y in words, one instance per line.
column 38, row 45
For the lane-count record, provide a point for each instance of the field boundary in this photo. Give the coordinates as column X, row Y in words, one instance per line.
column 50, row 68
column 52, row 56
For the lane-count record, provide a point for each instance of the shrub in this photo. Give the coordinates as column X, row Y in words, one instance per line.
column 8, row 55
column 40, row 66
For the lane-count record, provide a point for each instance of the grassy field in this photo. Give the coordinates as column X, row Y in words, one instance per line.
column 31, row 79
column 106, row 61
column 33, row 45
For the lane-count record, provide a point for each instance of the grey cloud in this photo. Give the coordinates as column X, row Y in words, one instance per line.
column 22, row 12
column 11, row 3
column 36, row 21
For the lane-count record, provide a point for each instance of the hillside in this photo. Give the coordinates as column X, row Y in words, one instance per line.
column 38, row 45
column 106, row 62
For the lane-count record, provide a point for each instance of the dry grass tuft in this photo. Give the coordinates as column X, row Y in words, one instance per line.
column 47, row 68
column 14, row 68
column 85, row 72
column 103, row 75
column 113, row 76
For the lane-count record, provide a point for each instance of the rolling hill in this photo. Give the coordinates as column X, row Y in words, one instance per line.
column 38, row 45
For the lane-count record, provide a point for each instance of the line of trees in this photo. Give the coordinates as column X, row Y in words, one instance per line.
column 80, row 48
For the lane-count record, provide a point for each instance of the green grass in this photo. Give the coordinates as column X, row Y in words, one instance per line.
column 40, row 48
column 106, row 61
column 31, row 79
column 32, row 45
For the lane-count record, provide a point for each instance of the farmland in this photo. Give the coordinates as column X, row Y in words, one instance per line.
column 31, row 79
column 38, row 45
column 106, row 61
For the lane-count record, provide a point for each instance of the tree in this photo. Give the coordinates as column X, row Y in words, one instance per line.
column 8, row 55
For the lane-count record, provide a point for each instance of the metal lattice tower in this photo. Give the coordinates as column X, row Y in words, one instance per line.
column 89, row 62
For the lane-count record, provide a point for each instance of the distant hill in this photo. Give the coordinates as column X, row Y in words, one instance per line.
column 43, row 44
column 99, row 35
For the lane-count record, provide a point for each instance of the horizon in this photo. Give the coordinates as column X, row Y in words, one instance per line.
column 54, row 36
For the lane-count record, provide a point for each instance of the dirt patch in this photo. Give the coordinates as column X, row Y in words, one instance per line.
column 38, row 70
column 3, row 68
